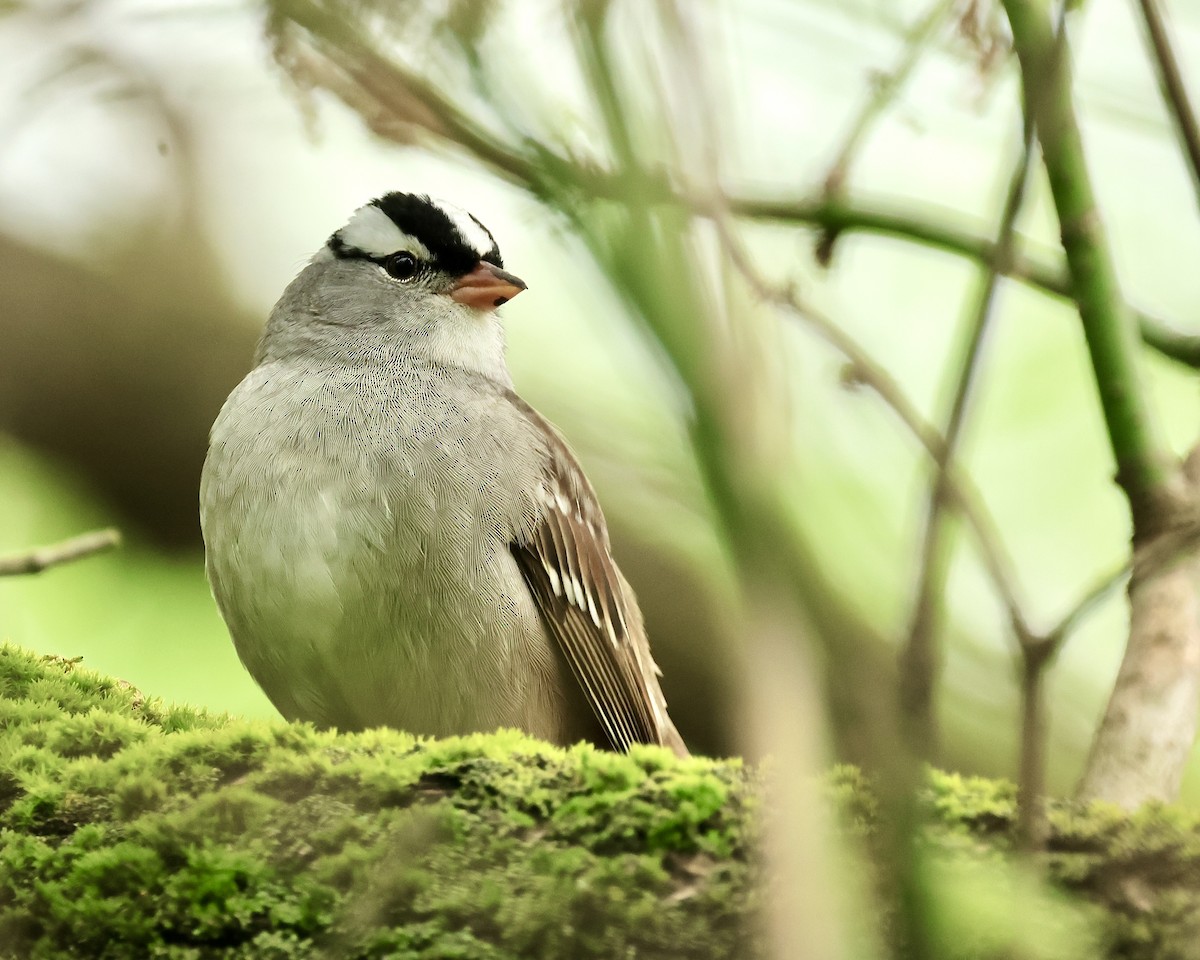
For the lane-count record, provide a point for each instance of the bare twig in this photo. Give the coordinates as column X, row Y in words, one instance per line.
column 886, row 88
column 918, row 660
column 1031, row 768
column 1174, row 90
column 381, row 91
column 1037, row 648
column 1086, row 605
column 913, row 226
column 1037, row 652
column 68, row 551
column 960, row 489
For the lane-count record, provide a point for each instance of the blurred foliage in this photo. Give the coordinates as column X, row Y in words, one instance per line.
column 140, row 612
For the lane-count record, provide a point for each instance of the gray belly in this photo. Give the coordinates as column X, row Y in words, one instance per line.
column 364, row 572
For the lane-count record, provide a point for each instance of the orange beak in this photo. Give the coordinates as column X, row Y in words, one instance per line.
column 486, row 287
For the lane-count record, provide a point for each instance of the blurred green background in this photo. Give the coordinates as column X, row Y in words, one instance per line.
column 160, row 183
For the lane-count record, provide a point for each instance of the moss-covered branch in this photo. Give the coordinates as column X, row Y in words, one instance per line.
column 129, row 829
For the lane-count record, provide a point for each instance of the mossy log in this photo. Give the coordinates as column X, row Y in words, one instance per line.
column 132, row 829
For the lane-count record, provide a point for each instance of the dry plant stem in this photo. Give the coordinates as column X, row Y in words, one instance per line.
column 886, row 88
column 68, row 551
column 1174, row 90
column 919, row 660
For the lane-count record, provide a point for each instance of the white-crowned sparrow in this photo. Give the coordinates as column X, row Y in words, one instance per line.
column 393, row 536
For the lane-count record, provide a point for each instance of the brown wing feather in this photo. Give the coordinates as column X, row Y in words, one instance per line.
column 586, row 605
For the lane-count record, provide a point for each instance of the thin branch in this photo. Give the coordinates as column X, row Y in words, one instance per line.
column 1037, row 648
column 886, row 88
column 393, row 101
column 1031, row 767
column 846, row 216
column 918, row 660
column 960, row 489
column 341, row 62
column 35, row 561
column 1036, row 654
column 1170, row 78
column 1087, row 604
column 1144, row 468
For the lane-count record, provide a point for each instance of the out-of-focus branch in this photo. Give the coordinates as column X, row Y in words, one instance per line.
column 1149, row 725
column 1087, row 604
column 55, row 555
column 919, row 661
column 1143, row 462
column 1037, row 648
column 960, row 490
column 885, row 88
column 637, row 244
column 911, row 226
column 919, row 658
column 1036, row 654
column 394, row 101
column 1170, row 78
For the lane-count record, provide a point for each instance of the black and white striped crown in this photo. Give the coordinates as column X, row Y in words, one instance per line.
column 435, row 231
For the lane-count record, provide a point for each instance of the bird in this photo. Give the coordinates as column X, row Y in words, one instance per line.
column 393, row 536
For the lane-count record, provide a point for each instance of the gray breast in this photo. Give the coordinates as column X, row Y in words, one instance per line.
column 357, row 522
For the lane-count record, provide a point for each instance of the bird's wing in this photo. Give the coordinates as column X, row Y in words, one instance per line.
column 587, row 606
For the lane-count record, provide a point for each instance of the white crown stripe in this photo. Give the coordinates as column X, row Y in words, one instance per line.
column 475, row 236
column 375, row 233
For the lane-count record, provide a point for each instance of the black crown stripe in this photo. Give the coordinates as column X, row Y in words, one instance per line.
column 422, row 219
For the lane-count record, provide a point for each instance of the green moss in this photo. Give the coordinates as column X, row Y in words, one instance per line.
column 128, row 829
column 1142, row 869
column 133, row 829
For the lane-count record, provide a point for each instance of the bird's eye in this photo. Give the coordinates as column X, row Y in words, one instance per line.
column 402, row 266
